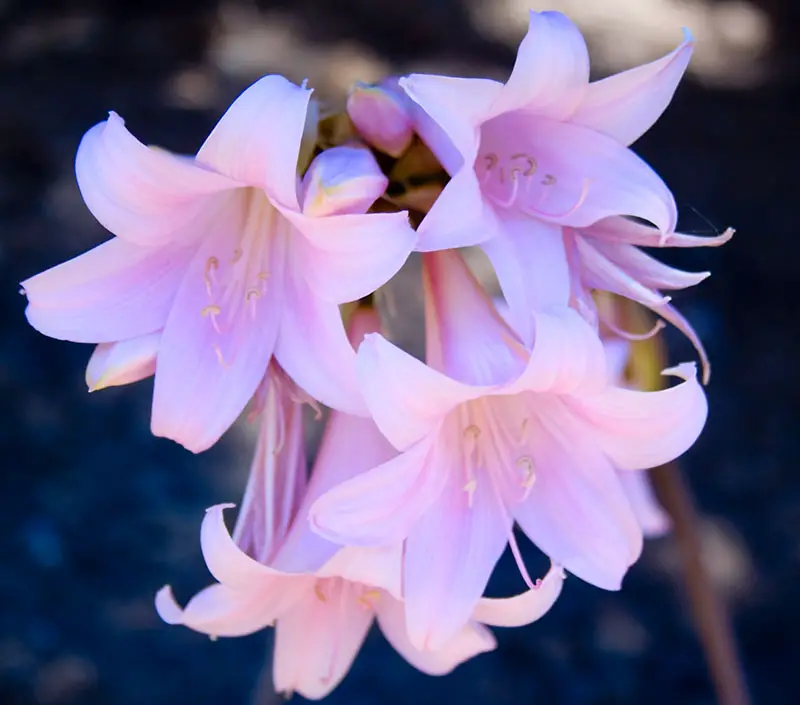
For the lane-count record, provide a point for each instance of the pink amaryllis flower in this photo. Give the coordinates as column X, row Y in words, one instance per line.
column 322, row 598
column 489, row 435
column 546, row 149
column 229, row 257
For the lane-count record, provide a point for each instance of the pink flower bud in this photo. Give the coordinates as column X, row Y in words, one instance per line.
column 343, row 179
column 381, row 116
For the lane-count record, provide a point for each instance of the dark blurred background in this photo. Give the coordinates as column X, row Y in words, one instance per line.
column 96, row 514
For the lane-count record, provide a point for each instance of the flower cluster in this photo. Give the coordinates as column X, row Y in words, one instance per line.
column 246, row 277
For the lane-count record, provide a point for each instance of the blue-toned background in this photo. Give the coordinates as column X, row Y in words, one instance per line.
column 96, row 514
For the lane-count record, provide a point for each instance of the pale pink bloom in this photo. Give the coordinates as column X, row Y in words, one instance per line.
column 544, row 150
column 381, row 114
column 490, row 435
column 652, row 517
column 606, row 256
column 322, row 598
column 219, row 253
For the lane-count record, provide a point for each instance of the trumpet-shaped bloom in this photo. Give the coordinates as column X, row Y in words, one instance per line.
column 544, row 150
column 489, row 435
column 228, row 258
column 321, row 598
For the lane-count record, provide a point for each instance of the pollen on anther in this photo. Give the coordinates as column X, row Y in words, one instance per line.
column 525, row 463
column 318, row 592
column 220, row 358
column 472, row 431
column 548, row 180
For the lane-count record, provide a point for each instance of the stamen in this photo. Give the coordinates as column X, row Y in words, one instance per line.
column 525, row 430
column 581, row 198
column 616, row 330
column 514, row 191
column 469, row 488
column 532, row 165
column 525, row 463
column 220, row 358
column 491, row 160
column 472, row 431
column 212, row 265
column 548, row 180
column 366, row 599
column 212, row 311
column 318, row 592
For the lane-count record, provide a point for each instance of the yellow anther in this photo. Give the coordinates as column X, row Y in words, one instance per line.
column 210, row 310
column 318, row 592
column 472, row 431
column 252, row 294
column 220, row 358
column 491, row 161
column 366, row 600
column 548, row 180
column 526, row 464
column 212, row 265
column 263, row 276
column 530, row 169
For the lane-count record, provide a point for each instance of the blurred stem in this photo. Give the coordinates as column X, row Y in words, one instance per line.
column 709, row 612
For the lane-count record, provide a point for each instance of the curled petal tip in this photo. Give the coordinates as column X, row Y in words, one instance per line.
column 685, row 370
column 219, row 508
column 167, row 606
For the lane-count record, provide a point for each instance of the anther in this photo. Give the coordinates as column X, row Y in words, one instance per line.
column 237, row 255
column 491, row 161
column 220, row 358
column 211, row 311
column 366, row 599
column 318, row 592
column 525, row 463
column 548, row 180
column 532, row 166
column 472, row 431
column 212, row 265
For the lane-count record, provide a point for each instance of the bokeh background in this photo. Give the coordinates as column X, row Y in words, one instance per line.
column 96, row 514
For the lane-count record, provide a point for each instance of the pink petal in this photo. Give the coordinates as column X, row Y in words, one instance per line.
column 567, row 356
column 317, row 641
column 676, row 318
column 346, row 257
column 472, row 640
column 335, row 464
column 219, row 610
column 551, row 72
column 225, row 560
column 125, row 362
column 575, row 511
column 651, row 516
column 599, row 272
column 618, row 353
column 257, row 141
column 217, row 341
column 406, row 398
column 308, row 326
column 640, row 430
column 465, row 336
column 450, row 554
column 645, row 269
column 592, row 175
column 531, row 265
column 380, row 507
column 457, row 106
column 524, row 608
column 626, row 105
column 142, row 194
column 460, row 217
column 618, row 229
column 115, row 291
column 376, row 566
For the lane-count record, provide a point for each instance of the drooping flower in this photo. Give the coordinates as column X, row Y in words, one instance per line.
column 489, row 435
column 321, row 597
column 545, row 151
column 228, row 257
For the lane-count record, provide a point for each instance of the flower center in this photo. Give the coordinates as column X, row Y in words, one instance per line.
column 237, row 277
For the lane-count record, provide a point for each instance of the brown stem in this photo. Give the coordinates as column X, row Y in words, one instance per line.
column 709, row 612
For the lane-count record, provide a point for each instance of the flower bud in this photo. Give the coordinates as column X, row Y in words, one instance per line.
column 381, row 116
column 343, row 179
column 124, row 362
